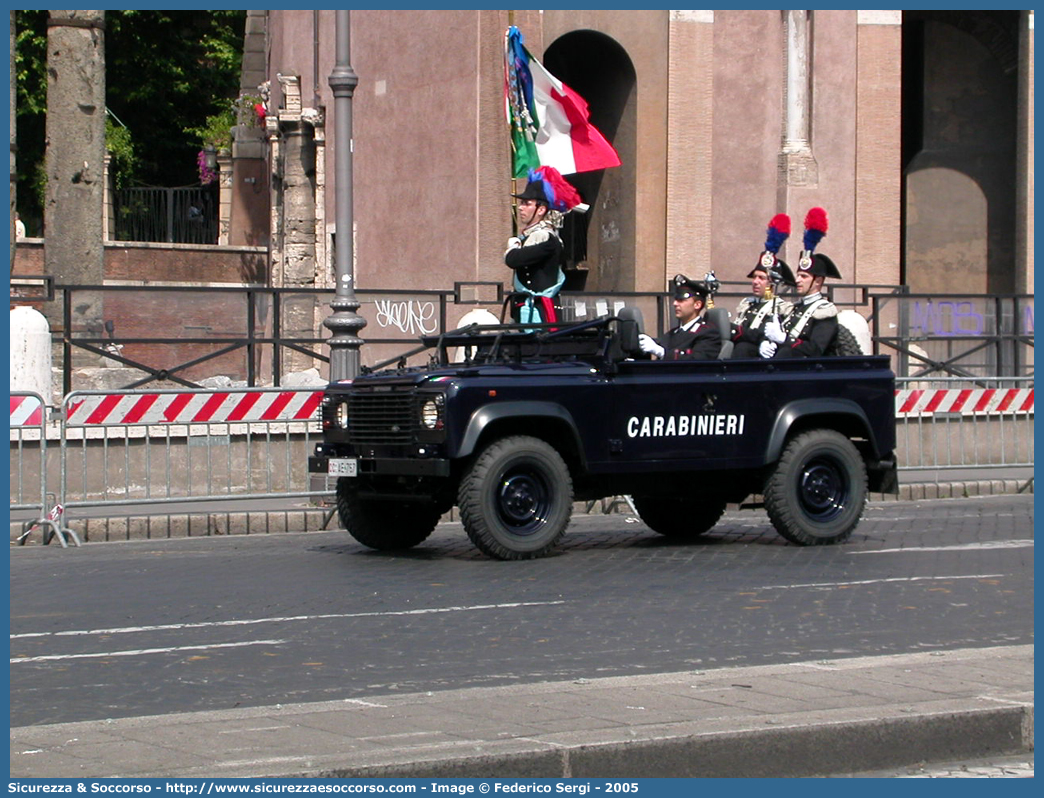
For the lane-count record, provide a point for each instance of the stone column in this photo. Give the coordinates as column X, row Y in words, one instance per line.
column 13, row 87
column 797, row 165
column 1024, row 161
column 690, row 136
column 298, row 224
column 224, row 168
column 73, row 210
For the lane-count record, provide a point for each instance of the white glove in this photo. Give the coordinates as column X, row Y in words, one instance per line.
column 649, row 346
column 774, row 332
column 767, row 349
column 513, row 243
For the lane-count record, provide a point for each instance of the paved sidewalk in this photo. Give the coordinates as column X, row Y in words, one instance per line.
column 802, row 719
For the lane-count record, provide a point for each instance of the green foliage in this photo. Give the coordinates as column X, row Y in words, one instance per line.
column 120, row 145
column 167, row 72
column 216, row 129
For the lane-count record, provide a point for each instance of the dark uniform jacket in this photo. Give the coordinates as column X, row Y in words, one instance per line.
column 811, row 328
column 701, row 341
column 750, row 319
column 537, row 261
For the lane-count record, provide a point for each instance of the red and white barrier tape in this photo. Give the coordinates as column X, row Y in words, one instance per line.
column 963, row 401
column 193, row 408
column 26, row 411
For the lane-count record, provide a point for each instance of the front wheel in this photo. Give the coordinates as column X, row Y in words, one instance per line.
column 679, row 519
column 817, row 492
column 516, row 498
column 385, row 525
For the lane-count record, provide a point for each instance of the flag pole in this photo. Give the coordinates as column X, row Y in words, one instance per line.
column 511, row 158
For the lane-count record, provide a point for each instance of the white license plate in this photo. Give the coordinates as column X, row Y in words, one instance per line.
column 343, row 467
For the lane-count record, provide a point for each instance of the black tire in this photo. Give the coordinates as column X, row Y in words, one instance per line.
column 817, row 492
column 516, row 498
column 679, row 519
column 844, row 344
column 385, row 525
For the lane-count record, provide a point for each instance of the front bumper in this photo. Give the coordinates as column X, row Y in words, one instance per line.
column 387, row 466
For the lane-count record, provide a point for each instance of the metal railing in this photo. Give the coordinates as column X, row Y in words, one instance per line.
column 153, row 447
column 979, row 426
column 185, row 215
column 257, row 334
column 29, row 463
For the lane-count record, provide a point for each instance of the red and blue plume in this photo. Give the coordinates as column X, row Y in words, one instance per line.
column 561, row 195
column 815, row 227
column 778, row 232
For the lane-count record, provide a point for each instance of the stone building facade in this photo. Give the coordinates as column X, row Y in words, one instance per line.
column 913, row 129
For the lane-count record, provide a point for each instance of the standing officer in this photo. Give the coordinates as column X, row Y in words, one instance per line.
column 693, row 338
column 811, row 327
column 753, row 311
column 535, row 255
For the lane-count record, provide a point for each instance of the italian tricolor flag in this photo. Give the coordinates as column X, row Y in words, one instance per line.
column 550, row 123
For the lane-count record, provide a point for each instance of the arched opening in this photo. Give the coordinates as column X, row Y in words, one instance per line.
column 960, row 114
column 602, row 241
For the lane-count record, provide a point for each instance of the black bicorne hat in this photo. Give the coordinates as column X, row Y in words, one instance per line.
column 682, row 288
column 769, row 263
column 818, row 265
column 534, row 191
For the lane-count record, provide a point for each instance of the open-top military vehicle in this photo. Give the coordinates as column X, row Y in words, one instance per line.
column 513, row 424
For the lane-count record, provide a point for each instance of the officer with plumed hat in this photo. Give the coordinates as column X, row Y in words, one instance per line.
column 763, row 304
column 535, row 255
column 694, row 338
column 811, row 327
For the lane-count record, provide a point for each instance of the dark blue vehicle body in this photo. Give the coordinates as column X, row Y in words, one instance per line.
column 662, row 431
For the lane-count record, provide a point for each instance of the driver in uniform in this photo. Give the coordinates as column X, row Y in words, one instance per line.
column 694, row 338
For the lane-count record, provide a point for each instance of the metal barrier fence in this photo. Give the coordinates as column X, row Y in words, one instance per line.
column 140, row 449
column 28, row 424
column 946, row 424
column 28, row 420
column 155, row 447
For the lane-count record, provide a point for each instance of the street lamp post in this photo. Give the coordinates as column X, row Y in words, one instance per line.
column 344, row 323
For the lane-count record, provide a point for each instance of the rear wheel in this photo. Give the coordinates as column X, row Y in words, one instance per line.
column 516, row 498
column 381, row 524
column 681, row 519
column 817, row 492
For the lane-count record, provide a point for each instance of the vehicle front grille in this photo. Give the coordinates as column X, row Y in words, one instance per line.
column 381, row 418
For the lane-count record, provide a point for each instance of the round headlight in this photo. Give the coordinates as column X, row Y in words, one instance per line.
column 430, row 414
column 342, row 415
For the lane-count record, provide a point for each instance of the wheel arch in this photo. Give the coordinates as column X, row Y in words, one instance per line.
column 557, row 429
column 842, row 415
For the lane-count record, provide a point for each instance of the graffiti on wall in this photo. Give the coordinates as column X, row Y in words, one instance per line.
column 964, row 317
column 410, row 317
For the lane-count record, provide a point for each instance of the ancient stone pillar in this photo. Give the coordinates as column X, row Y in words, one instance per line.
column 74, row 205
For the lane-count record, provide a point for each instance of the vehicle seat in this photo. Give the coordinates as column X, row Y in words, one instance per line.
column 719, row 318
column 631, row 326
